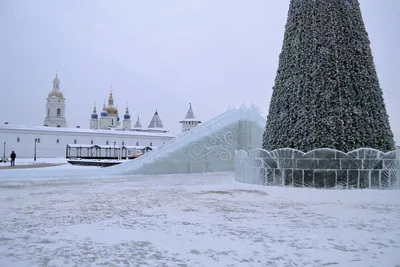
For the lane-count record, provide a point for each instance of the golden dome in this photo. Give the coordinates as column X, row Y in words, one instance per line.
column 111, row 110
column 56, row 93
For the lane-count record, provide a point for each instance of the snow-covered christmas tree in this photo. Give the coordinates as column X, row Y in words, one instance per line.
column 326, row 92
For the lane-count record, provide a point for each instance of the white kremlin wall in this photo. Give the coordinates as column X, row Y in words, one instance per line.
column 52, row 142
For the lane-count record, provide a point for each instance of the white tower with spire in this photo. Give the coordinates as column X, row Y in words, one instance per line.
column 103, row 118
column 94, row 120
column 112, row 112
column 127, row 123
column 55, row 107
column 190, row 120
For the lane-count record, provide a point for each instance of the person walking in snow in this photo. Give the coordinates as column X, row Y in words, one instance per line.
column 13, row 156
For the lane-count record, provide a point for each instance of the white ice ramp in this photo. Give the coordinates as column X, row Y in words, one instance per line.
column 208, row 147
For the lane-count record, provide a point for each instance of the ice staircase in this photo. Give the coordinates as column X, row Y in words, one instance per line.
column 208, row 147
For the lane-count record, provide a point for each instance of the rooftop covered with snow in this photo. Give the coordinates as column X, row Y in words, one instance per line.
column 6, row 127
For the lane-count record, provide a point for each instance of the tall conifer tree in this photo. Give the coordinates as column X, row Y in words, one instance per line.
column 326, row 92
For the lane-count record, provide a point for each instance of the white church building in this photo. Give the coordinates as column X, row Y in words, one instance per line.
column 51, row 140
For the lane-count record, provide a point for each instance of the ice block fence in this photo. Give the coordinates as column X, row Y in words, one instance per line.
column 320, row 168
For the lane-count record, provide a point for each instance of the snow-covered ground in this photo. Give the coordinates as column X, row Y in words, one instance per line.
column 30, row 161
column 193, row 220
column 60, row 169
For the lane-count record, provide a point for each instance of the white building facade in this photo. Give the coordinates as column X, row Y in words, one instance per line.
column 52, row 142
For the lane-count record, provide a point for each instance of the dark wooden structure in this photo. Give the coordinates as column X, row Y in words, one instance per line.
column 82, row 151
column 105, row 152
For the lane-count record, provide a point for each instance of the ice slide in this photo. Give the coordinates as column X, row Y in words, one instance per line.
column 231, row 116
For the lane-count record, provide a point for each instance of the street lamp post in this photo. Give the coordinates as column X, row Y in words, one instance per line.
column 114, row 148
column 4, row 150
column 34, row 153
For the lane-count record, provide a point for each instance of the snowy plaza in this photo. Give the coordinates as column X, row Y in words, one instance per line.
column 306, row 174
column 193, row 220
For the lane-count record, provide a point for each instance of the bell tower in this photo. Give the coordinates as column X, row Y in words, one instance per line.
column 55, row 107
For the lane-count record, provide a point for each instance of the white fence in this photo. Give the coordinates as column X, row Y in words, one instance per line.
column 320, row 168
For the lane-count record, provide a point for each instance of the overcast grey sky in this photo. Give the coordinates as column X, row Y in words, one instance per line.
column 160, row 55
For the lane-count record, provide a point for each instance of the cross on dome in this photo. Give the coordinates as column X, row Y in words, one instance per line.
column 55, row 92
column 111, row 109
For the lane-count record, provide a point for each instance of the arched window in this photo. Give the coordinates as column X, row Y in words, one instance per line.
column 106, row 142
column 91, row 142
column 48, row 112
column 151, row 144
column 17, row 139
column 58, row 112
column 58, row 141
